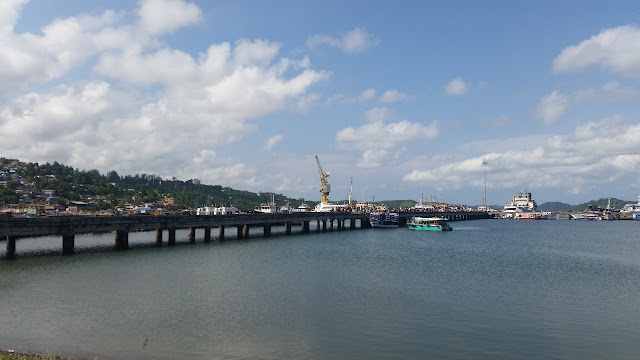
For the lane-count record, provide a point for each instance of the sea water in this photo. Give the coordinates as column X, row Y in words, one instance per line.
column 489, row 289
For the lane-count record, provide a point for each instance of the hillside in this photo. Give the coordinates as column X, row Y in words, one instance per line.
column 600, row 203
column 30, row 183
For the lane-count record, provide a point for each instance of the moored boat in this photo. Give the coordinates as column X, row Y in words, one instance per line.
column 636, row 210
column 383, row 219
column 267, row 208
column 520, row 203
column 429, row 223
column 586, row 216
column 528, row 216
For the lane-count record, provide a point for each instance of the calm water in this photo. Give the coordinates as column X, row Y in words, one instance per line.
column 490, row 289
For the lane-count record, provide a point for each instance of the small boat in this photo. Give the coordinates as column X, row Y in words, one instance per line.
column 528, row 216
column 383, row 219
column 430, row 223
column 267, row 208
column 586, row 216
column 303, row 208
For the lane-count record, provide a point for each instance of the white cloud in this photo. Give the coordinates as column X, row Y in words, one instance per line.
column 356, row 41
column 377, row 115
column 165, row 16
column 273, row 141
column 614, row 49
column 136, row 115
column 553, row 106
column 366, row 95
column 456, row 87
column 560, row 162
column 9, row 12
column 376, row 139
column 392, row 96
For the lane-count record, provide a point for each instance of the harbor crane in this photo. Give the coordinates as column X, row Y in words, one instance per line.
column 325, row 188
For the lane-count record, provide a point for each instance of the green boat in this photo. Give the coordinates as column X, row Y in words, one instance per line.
column 429, row 224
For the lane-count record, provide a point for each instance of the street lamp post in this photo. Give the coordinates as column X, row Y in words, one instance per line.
column 484, row 163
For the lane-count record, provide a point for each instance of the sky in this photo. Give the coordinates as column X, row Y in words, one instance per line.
column 399, row 100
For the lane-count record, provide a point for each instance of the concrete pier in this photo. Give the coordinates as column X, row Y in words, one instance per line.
column 11, row 247
column 13, row 229
column 122, row 240
column 172, row 237
column 68, row 241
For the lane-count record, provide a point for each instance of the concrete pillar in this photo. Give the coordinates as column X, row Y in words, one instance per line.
column 239, row 230
column 305, row 227
column 159, row 237
column 11, row 247
column 122, row 240
column 246, row 231
column 324, row 225
column 317, row 225
column 352, row 224
column 192, row 234
column 221, row 233
column 207, row 234
column 287, row 228
column 172, row 237
column 267, row 230
column 67, row 244
column 330, row 224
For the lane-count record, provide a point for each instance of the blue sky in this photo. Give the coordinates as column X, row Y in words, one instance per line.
column 406, row 98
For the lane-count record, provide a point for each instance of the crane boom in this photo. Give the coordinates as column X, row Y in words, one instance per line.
column 325, row 188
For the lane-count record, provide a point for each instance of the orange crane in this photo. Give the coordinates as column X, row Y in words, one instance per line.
column 325, row 188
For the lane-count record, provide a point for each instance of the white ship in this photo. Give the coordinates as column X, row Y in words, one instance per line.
column 267, row 208
column 520, row 203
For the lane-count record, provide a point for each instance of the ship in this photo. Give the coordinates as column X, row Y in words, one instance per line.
column 522, row 207
column 429, row 224
column 384, row 219
column 267, row 208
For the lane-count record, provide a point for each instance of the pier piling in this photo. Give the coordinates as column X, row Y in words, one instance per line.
column 68, row 243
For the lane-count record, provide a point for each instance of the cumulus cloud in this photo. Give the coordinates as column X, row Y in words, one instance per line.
column 366, row 95
column 273, row 141
column 377, row 115
column 163, row 16
column 553, row 106
column 614, row 49
column 561, row 161
column 136, row 115
column 456, row 87
column 392, row 96
column 356, row 41
column 377, row 139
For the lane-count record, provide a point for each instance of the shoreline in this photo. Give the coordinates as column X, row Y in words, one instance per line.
column 16, row 355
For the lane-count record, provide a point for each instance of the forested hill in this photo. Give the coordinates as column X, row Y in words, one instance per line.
column 600, row 203
column 25, row 182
